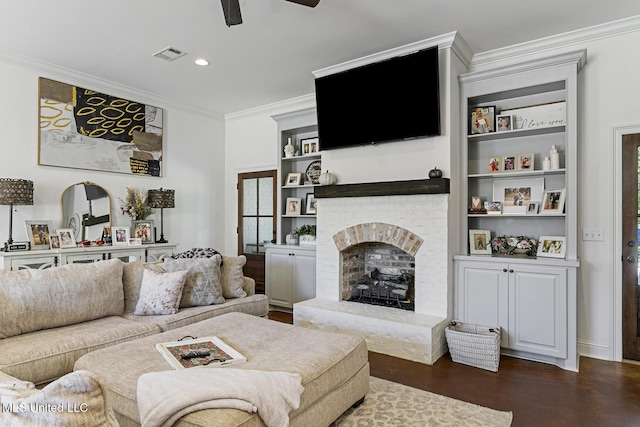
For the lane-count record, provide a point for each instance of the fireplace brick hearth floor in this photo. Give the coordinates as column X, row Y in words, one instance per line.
column 399, row 333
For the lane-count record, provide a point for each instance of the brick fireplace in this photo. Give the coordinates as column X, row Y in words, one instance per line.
column 415, row 221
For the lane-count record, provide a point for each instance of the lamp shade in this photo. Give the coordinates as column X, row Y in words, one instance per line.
column 16, row 191
column 161, row 198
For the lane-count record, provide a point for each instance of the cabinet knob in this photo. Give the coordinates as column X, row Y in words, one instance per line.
column 511, row 271
column 504, row 270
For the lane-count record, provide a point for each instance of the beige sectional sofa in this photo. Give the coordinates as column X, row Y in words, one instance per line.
column 50, row 318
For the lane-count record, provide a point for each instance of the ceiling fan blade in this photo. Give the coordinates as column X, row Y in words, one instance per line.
column 310, row 3
column 231, row 9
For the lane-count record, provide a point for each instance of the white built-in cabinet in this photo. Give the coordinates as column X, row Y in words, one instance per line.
column 532, row 299
column 290, row 274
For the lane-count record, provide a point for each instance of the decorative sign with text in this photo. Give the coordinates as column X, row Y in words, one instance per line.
column 539, row 116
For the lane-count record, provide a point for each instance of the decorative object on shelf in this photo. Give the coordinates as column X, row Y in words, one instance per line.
column 504, row 122
column 493, row 208
column 552, row 246
column 293, row 206
column 479, row 242
column 495, row 164
column 546, row 164
column 525, row 162
column 86, row 209
column 313, row 172
column 291, row 239
column 532, row 208
column 309, row 145
column 293, row 179
column 65, row 238
column 435, row 173
column 476, row 206
column 54, row 241
column 553, row 202
column 509, row 163
column 15, row 192
column 120, row 235
column 135, row 241
column 143, row 230
column 327, row 178
column 515, row 194
column 306, row 234
column 289, row 149
column 311, row 205
column 162, row 199
column 39, row 233
column 136, row 204
column 539, row 116
column 482, row 120
column 554, row 158
column 514, row 245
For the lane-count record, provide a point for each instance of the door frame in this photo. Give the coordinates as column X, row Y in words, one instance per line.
column 616, row 310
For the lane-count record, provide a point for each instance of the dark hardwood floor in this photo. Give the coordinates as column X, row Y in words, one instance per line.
column 601, row 394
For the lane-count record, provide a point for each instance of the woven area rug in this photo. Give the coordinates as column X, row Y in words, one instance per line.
column 393, row 404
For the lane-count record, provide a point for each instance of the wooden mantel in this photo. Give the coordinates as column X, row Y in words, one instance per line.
column 391, row 188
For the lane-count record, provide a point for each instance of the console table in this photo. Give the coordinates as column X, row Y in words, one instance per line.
column 40, row 259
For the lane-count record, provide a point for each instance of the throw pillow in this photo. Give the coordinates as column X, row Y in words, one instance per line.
column 132, row 279
column 233, row 276
column 197, row 253
column 202, row 285
column 160, row 293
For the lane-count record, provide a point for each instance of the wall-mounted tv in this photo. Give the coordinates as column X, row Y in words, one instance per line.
column 390, row 100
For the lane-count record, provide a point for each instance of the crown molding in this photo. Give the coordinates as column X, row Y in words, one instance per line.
column 284, row 107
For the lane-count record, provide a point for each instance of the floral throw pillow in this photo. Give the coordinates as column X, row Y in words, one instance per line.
column 160, row 293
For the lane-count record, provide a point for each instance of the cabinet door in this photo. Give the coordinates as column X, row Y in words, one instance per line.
column 483, row 296
column 280, row 278
column 538, row 310
column 83, row 258
column 36, row 263
column 304, row 276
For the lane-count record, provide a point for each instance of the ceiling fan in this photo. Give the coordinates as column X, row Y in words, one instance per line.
column 232, row 14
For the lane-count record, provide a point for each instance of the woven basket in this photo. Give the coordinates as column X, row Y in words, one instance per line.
column 474, row 345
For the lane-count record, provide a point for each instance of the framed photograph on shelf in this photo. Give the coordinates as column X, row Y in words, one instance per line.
column 553, row 202
column 493, row 208
column 293, row 206
column 54, row 241
column 65, row 238
column 515, row 194
column 120, row 235
column 311, row 205
column 39, row 233
column 309, row 145
column 482, row 120
column 135, row 241
column 293, row 179
column 552, row 246
column 143, row 230
column 509, row 163
column 495, row 164
column 504, row 122
column 479, row 242
column 525, row 162
column 532, row 208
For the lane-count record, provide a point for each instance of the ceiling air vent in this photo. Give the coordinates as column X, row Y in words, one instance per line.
column 169, row 54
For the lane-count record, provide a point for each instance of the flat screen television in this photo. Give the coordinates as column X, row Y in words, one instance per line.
column 390, row 100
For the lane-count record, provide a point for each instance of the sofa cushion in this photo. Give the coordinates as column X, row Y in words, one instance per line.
column 203, row 285
column 40, row 299
column 132, row 279
column 233, row 276
column 160, row 293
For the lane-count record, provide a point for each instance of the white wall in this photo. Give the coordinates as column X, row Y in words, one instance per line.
column 193, row 160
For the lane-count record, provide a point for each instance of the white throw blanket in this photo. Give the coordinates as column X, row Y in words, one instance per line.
column 164, row 397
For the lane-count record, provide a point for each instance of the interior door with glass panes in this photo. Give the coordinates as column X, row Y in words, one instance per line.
column 256, row 220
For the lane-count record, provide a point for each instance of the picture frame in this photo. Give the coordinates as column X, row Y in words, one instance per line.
column 479, row 242
column 552, row 202
column 39, row 233
column 144, row 230
column 509, row 163
column 311, row 205
column 493, row 208
column 525, row 162
column 532, row 208
column 494, row 165
column 552, row 246
column 310, row 145
column 293, row 207
column 482, row 120
column 120, row 235
column 66, row 238
column 293, row 179
column 54, row 241
column 135, row 241
column 504, row 122
column 515, row 194
column 476, row 205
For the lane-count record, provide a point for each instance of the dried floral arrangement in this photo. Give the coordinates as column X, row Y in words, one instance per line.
column 135, row 204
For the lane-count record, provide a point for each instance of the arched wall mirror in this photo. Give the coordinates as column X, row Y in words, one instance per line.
column 86, row 209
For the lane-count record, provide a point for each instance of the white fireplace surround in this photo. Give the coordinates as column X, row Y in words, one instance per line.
column 417, row 224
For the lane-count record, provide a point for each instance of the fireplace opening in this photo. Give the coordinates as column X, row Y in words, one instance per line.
column 378, row 274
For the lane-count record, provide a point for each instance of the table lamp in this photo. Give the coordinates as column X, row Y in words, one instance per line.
column 14, row 192
column 161, row 199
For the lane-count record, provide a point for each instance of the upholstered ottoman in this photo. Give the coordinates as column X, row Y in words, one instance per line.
column 334, row 368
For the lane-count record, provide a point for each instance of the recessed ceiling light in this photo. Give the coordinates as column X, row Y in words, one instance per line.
column 202, row 62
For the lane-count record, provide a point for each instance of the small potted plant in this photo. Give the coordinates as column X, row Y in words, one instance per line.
column 306, row 234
